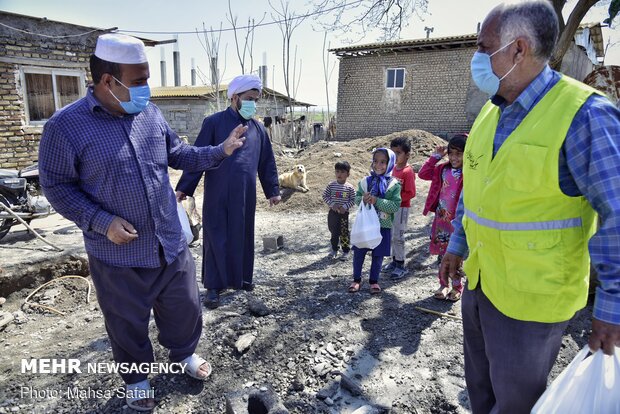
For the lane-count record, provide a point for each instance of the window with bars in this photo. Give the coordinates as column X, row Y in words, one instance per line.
column 395, row 78
column 47, row 90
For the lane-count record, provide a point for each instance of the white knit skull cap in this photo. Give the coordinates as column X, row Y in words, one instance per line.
column 120, row 48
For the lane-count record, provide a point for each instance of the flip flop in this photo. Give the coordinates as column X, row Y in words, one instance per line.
column 454, row 296
column 194, row 362
column 355, row 287
column 442, row 293
column 138, row 392
column 375, row 288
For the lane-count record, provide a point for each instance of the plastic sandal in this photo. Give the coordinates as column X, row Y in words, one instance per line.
column 194, row 362
column 375, row 288
column 454, row 296
column 442, row 293
column 139, row 391
column 355, row 287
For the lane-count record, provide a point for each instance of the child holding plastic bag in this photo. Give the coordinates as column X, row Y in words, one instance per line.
column 382, row 191
column 443, row 196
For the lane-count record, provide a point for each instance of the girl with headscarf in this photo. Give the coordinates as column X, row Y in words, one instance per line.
column 383, row 191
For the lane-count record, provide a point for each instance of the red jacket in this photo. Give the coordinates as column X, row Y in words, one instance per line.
column 406, row 176
column 432, row 172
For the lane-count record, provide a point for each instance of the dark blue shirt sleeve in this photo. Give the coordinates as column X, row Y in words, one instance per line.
column 592, row 158
column 59, row 178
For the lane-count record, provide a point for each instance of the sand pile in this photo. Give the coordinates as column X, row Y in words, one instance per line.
column 319, row 160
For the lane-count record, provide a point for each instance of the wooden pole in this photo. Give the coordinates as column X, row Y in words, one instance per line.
column 444, row 315
column 11, row 212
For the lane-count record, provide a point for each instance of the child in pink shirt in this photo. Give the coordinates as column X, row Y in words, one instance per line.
column 443, row 197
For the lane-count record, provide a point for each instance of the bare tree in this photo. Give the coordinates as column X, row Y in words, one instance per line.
column 327, row 73
column 296, row 75
column 287, row 21
column 248, row 39
column 211, row 45
column 357, row 17
column 391, row 16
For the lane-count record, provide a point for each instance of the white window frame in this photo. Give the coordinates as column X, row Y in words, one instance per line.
column 395, row 71
column 80, row 74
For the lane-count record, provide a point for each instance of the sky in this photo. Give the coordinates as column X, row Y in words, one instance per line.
column 143, row 17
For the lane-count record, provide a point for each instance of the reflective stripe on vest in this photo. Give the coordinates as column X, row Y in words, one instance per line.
column 533, row 225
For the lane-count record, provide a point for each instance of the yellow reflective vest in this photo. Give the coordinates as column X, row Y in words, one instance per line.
column 527, row 239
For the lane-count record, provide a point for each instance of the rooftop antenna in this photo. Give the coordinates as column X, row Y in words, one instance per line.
column 429, row 30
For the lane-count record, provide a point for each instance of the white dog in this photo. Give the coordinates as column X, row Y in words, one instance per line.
column 295, row 179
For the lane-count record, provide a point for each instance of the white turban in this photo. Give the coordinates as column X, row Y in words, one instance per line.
column 244, row 83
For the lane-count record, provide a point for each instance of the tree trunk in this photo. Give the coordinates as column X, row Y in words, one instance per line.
column 558, row 5
column 567, row 35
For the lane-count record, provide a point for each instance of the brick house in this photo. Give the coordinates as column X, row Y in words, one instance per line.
column 426, row 83
column 44, row 65
column 185, row 107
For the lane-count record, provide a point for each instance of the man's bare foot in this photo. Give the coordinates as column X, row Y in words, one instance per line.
column 147, row 403
column 204, row 370
column 197, row 367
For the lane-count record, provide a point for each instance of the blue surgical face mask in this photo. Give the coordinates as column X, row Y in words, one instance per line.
column 138, row 98
column 248, row 109
column 482, row 71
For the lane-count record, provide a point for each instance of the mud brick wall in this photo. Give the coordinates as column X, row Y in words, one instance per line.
column 19, row 141
column 438, row 95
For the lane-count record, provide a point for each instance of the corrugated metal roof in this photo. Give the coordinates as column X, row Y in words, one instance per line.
column 181, row 91
column 448, row 42
column 404, row 45
column 205, row 91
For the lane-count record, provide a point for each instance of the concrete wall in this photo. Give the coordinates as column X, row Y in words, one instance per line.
column 184, row 116
column 438, row 95
column 576, row 63
column 19, row 142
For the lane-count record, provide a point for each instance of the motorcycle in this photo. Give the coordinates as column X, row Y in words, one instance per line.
column 21, row 192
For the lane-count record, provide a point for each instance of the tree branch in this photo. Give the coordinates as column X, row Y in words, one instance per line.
column 567, row 35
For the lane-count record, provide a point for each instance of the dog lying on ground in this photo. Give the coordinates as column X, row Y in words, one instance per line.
column 295, row 179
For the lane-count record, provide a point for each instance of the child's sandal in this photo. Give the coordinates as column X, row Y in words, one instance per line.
column 355, row 287
column 442, row 293
column 375, row 288
column 454, row 296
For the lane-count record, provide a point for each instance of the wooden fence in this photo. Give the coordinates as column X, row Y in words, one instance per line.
column 303, row 134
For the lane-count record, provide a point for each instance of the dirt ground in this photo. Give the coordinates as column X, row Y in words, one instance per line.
column 319, row 348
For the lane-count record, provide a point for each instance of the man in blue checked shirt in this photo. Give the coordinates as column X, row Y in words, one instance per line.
column 104, row 165
column 542, row 158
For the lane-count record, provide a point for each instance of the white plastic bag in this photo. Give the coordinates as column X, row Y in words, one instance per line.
column 366, row 230
column 589, row 384
column 187, row 231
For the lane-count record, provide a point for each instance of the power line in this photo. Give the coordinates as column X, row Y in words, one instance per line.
column 229, row 29
column 303, row 16
column 54, row 37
